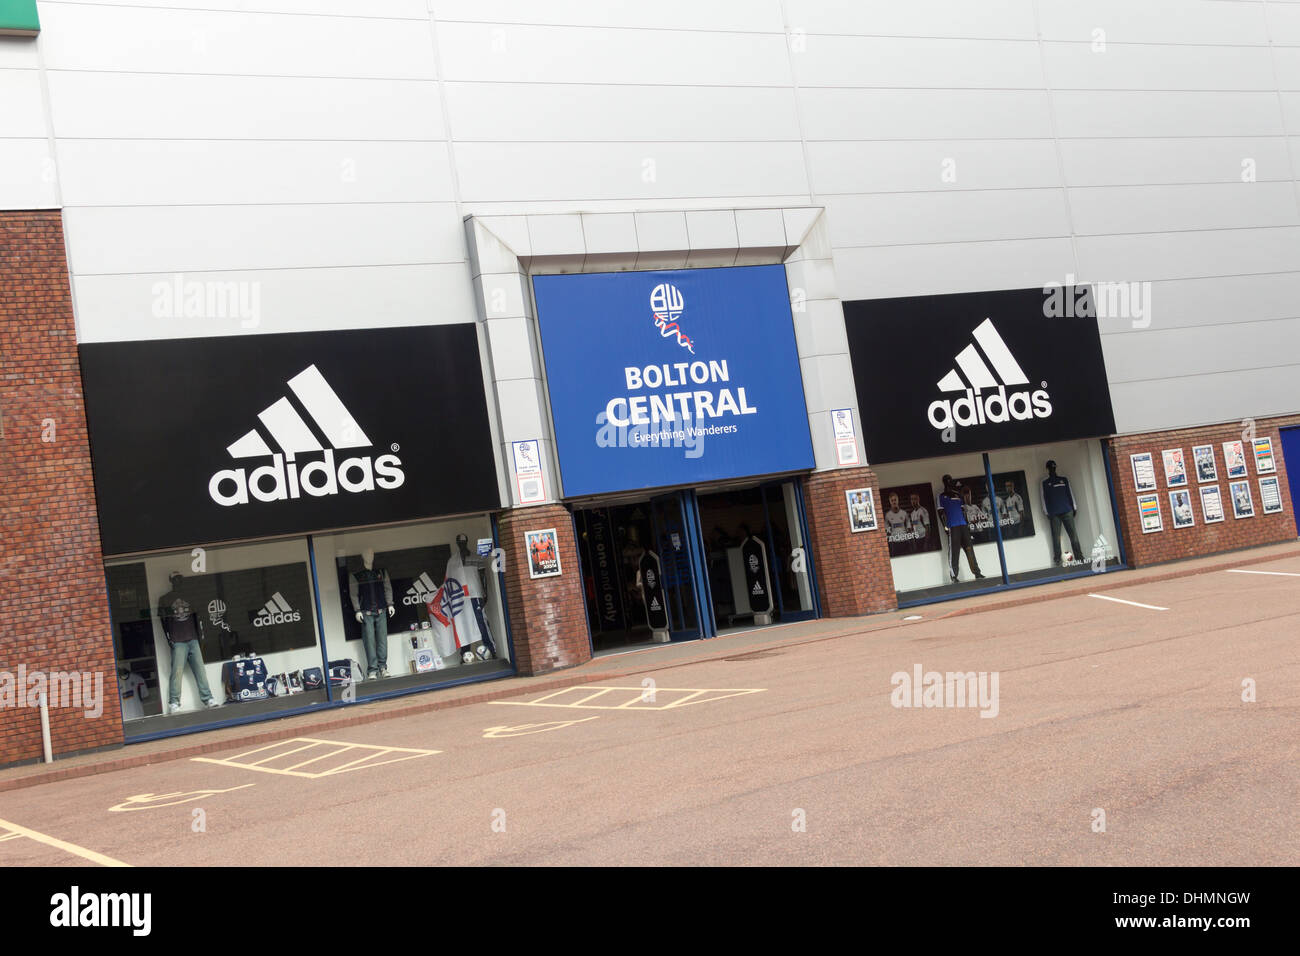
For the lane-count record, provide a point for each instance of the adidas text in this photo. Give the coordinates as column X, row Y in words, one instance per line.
column 279, row 617
column 977, row 409
column 281, row 480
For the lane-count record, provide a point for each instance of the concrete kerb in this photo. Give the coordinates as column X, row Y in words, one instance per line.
column 664, row 658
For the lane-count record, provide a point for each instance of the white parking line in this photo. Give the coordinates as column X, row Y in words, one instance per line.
column 1280, row 574
column 1149, row 607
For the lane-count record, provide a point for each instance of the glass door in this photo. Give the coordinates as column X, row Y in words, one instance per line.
column 674, row 544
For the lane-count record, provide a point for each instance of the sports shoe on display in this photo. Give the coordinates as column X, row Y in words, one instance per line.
column 212, row 703
column 383, row 672
column 173, row 708
column 371, row 675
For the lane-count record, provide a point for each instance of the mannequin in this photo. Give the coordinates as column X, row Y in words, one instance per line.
column 952, row 515
column 184, row 631
column 467, row 568
column 1059, row 506
column 371, row 593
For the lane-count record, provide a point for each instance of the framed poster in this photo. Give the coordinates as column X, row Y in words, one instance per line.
column 1144, row 472
column 1270, row 496
column 1008, row 502
column 910, row 523
column 1175, row 467
column 1243, row 504
column 862, row 510
column 1265, row 464
column 1149, row 511
column 1180, row 506
column 1206, row 469
column 1211, row 504
column 543, row 549
column 1234, row 459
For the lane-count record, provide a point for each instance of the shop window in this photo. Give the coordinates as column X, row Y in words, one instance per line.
column 412, row 605
column 197, row 630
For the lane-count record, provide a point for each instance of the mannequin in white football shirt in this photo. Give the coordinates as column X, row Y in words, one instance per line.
column 467, row 568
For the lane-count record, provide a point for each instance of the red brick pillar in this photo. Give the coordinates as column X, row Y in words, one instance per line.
column 548, row 619
column 853, row 574
column 53, row 601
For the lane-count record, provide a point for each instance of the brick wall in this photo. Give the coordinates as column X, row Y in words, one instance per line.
column 853, row 574
column 548, row 620
column 1200, row 539
column 53, row 604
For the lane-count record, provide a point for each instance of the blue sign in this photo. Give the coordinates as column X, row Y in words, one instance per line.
column 672, row 378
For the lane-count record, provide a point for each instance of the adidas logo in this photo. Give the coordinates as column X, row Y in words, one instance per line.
column 277, row 611
column 421, row 590
column 758, row 589
column 973, row 376
column 283, row 478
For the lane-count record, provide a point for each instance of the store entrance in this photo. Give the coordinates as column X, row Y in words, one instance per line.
column 758, row 567
column 1291, row 456
column 640, row 571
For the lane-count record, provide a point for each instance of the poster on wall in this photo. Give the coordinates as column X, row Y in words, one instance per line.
column 528, row 471
column 1008, row 502
column 1180, row 506
column 1144, row 471
column 862, row 510
column 910, row 523
column 846, row 437
column 543, row 549
column 1149, row 512
column 1270, row 496
column 1264, row 461
column 1243, row 504
column 1175, row 467
column 1234, row 459
column 1211, row 504
column 1206, row 469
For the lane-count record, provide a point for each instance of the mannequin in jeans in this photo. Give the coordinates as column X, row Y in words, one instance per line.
column 372, row 593
column 184, row 631
column 1059, row 506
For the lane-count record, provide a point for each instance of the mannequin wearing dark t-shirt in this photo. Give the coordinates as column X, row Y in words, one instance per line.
column 952, row 515
column 184, row 631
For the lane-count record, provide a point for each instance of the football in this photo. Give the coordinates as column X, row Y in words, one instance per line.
column 1067, row 558
column 467, row 657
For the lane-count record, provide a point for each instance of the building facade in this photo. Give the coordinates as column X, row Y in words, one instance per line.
column 352, row 352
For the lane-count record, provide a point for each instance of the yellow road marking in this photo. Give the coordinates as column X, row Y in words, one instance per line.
column 639, row 701
column 58, row 844
column 370, row 758
column 523, row 730
column 183, row 796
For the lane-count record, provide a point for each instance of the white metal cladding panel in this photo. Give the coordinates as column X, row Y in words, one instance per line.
column 73, row 37
column 530, row 54
column 27, row 175
column 1214, row 300
column 1284, row 23
column 185, row 238
column 885, row 271
column 993, row 19
column 752, row 16
column 1136, row 162
column 1153, row 114
column 21, row 112
column 1205, row 350
column 490, row 112
column 848, row 114
column 1127, row 209
column 98, row 172
column 901, row 62
column 573, row 172
column 903, row 166
column 890, row 218
column 116, row 307
column 1183, row 255
column 1155, row 21
column 1288, row 67
column 1124, row 66
column 172, row 106
column 1204, row 399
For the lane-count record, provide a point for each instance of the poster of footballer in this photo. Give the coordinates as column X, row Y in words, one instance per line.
column 862, row 510
column 543, row 553
column 910, row 523
column 1010, row 502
